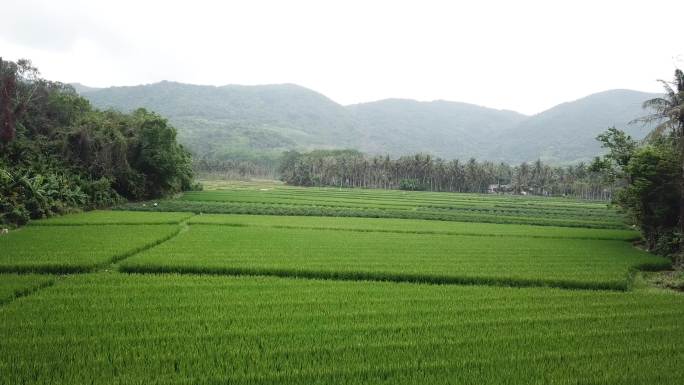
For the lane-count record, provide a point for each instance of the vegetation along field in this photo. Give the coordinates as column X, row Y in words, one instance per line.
column 519, row 291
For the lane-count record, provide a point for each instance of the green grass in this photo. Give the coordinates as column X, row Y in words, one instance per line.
column 74, row 249
column 394, row 204
column 118, row 329
column 102, row 217
column 435, row 258
column 14, row 285
column 414, row 226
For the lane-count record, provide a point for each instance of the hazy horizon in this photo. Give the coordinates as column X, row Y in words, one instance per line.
column 524, row 57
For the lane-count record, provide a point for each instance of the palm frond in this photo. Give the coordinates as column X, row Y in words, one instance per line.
column 656, row 104
column 648, row 119
column 671, row 93
column 658, row 131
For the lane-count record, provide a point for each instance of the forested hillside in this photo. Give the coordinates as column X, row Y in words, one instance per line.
column 568, row 131
column 259, row 122
column 240, row 121
column 445, row 129
column 58, row 154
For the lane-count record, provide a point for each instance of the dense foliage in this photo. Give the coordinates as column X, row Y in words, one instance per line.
column 653, row 170
column 57, row 153
column 349, row 168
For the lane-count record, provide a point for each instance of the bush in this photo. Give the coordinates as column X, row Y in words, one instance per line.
column 667, row 242
column 411, row 185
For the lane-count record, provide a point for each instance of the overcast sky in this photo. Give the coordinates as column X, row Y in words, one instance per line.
column 520, row 55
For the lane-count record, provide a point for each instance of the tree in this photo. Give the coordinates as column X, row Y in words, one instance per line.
column 164, row 162
column 18, row 83
column 58, row 153
column 668, row 112
column 621, row 148
column 653, row 194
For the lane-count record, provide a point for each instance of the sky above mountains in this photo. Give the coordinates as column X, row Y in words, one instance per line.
column 521, row 55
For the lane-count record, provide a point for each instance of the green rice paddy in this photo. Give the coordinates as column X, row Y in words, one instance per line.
column 436, row 258
column 441, row 289
column 168, row 329
column 394, row 204
column 73, row 249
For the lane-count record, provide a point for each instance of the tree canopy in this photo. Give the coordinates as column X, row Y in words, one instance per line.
column 58, row 153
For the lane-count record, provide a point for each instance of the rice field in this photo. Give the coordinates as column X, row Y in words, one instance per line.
column 436, row 258
column 13, row 286
column 394, row 204
column 108, row 217
column 413, row 226
column 74, row 249
column 517, row 291
column 168, row 329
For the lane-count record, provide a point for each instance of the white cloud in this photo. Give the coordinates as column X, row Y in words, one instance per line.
column 520, row 55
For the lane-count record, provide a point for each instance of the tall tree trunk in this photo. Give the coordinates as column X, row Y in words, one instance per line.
column 681, row 191
column 8, row 85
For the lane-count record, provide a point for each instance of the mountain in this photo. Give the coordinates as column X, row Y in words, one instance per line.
column 446, row 129
column 567, row 132
column 240, row 119
column 82, row 89
column 262, row 121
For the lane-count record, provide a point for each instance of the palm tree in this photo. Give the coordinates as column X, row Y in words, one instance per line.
column 668, row 112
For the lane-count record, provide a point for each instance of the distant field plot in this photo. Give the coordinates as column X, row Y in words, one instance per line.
column 436, row 258
column 68, row 249
column 101, row 217
column 130, row 329
column 16, row 285
column 396, row 204
column 414, row 226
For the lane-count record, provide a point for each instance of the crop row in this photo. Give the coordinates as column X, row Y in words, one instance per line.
column 110, row 217
column 130, row 329
column 414, row 226
column 435, row 258
column 352, row 199
column 343, row 223
column 74, row 249
column 394, row 195
column 591, row 215
column 442, row 215
column 14, row 285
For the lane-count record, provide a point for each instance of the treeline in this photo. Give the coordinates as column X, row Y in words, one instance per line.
column 57, row 153
column 349, row 168
column 210, row 167
column 653, row 171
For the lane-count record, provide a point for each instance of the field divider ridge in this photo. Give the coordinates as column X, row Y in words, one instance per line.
column 182, row 227
column 28, row 291
column 379, row 277
column 426, row 232
column 212, row 207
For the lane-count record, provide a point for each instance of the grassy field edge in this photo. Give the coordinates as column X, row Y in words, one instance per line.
column 623, row 285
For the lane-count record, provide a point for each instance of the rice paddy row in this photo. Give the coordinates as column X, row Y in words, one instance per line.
column 333, row 248
column 14, row 285
column 76, row 249
column 224, row 320
column 389, row 256
column 394, row 204
column 109, row 328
